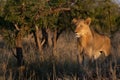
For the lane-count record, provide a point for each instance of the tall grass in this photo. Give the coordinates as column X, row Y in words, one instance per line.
column 64, row 66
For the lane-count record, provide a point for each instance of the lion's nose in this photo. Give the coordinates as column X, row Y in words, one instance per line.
column 75, row 31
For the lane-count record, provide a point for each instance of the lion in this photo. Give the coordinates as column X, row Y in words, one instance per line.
column 89, row 42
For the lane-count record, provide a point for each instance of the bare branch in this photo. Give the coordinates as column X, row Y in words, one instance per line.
column 36, row 27
column 42, row 42
column 58, row 10
column 13, row 52
column 51, row 11
column 17, row 28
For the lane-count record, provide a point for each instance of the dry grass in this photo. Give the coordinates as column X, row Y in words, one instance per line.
column 64, row 67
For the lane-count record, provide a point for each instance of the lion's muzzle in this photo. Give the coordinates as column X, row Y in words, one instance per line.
column 77, row 35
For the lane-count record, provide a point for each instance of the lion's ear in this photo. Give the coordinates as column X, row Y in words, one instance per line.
column 74, row 21
column 88, row 21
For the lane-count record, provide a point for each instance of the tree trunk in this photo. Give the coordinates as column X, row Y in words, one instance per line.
column 19, row 52
column 54, row 42
column 50, row 37
column 38, row 39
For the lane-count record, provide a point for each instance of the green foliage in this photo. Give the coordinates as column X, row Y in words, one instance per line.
column 56, row 3
column 104, row 14
column 107, row 15
column 12, row 11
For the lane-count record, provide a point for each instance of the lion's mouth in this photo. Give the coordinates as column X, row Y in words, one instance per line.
column 77, row 35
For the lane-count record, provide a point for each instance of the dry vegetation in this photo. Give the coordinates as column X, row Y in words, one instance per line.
column 64, row 66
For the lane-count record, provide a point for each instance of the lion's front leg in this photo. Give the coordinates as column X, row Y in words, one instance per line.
column 83, row 59
column 80, row 58
column 87, row 56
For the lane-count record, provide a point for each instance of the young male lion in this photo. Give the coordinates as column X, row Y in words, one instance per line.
column 90, row 43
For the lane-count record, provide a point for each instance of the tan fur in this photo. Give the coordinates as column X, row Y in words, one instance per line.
column 89, row 42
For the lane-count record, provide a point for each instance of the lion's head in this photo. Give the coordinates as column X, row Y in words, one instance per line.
column 82, row 26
